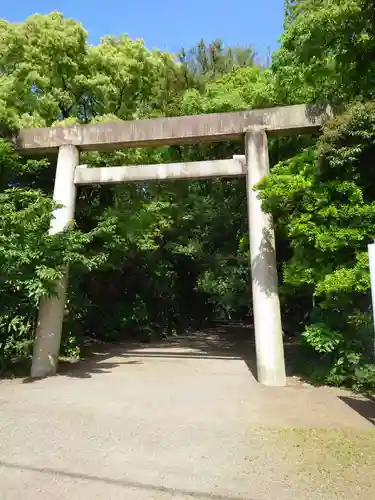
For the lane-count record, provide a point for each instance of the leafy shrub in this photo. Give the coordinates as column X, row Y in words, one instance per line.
column 364, row 378
column 31, row 260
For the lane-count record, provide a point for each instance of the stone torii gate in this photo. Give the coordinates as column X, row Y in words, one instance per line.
column 251, row 126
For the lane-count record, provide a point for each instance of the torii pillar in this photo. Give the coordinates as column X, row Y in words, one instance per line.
column 266, row 304
column 51, row 309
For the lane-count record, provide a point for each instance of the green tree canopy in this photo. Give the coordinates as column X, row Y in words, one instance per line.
column 326, row 52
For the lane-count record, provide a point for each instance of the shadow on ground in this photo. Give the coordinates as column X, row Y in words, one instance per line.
column 364, row 406
column 229, row 340
column 118, row 482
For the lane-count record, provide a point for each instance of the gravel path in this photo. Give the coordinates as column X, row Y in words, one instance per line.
column 182, row 420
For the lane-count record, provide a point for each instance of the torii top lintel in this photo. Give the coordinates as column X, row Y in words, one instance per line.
column 285, row 120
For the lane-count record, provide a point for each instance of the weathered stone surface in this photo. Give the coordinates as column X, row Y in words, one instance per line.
column 179, row 130
column 189, row 170
column 266, row 305
column 51, row 309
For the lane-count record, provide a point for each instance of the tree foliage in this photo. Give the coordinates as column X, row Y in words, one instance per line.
column 214, row 60
column 49, row 73
column 31, row 260
column 326, row 52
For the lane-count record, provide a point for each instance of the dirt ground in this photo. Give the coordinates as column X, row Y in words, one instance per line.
column 182, row 420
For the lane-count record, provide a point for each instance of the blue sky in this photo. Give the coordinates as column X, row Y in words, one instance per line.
column 167, row 24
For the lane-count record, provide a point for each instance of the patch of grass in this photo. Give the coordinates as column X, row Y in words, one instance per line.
column 344, row 458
